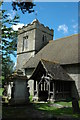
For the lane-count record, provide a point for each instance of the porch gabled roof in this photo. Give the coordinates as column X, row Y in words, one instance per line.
column 52, row 68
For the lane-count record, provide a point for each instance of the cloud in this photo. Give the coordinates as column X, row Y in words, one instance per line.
column 75, row 31
column 19, row 25
column 73, row 20
column 75, row 26
column 63, row 28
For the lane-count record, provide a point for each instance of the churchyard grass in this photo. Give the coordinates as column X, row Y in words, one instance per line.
column 45, row 109
column 53, row 108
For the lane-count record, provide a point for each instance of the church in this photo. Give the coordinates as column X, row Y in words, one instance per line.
column 51, row 66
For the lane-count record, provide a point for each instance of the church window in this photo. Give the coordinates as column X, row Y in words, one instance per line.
column 25, row 43
column 44, row 38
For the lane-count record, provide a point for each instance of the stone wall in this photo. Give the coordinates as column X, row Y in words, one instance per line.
column 39, row 43
column 73, row 72
column 30, row 41
column 23, row 58
column 28, row 73
column 31, row 87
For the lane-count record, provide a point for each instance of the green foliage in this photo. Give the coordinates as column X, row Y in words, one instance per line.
column 9, row 36
column 8, row 42
column 69, row 104
column 1, row 91
column 23, row 6
column 30, row 98
column 49, row 108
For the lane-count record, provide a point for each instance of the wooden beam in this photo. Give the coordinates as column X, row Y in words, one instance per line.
column 49, row 91
column 53, row 91
column 37, row 89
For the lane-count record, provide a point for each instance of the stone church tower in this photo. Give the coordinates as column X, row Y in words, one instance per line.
column 31, row 39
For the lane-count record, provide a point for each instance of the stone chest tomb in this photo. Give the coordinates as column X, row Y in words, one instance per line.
column 18, row 91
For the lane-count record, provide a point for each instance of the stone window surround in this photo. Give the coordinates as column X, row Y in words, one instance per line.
column 25, row 43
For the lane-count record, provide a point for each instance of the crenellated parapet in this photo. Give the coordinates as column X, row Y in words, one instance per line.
column 35, row 24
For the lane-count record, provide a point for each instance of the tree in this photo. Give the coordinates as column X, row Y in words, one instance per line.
column 23, row 6
column 9, row 36
column 8, row 43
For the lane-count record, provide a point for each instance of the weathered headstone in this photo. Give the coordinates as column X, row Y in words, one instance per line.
column 19, row 89
column 75, row 106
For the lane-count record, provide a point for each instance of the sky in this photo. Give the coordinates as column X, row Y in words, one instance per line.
column 62, row 17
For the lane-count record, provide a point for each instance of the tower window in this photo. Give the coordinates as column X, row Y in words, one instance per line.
column 27, row 36
column 25, row 43
column 44, row 38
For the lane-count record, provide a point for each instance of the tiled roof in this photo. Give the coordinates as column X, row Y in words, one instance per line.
column 64, row 51
column 54, row 69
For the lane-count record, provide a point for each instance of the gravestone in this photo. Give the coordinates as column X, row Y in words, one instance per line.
column 75, row 106
column 19, row 89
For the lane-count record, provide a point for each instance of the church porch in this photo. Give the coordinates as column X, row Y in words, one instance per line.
column 52, row 90
column 51, row 82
